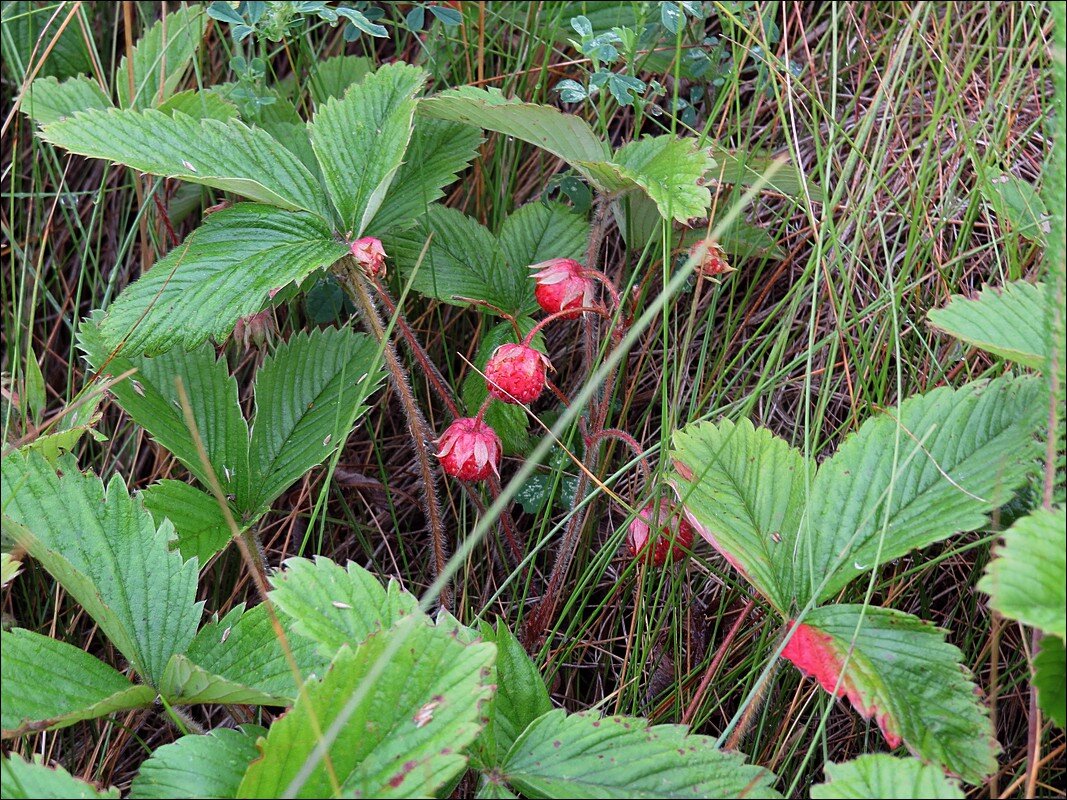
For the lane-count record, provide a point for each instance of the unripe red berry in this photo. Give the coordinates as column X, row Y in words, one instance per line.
column 561, row 285
column 469, row 450
column 673, row 533
column 515, row 373
column 370, row 255
column 710, row 258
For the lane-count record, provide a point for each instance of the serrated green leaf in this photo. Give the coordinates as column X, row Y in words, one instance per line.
column 1017, row 206
column 54, row 446
column 223, row 271
column 400, row 733
column 438, row 152
column 1027, row 579
column 223, row 155
column 159, row 59
column 746, row 490
column 50, row 684
column 334, row 606
column 201, row 527
column 197, row 766
column 332, row 78
column 199, row 105
column 935, row 466
column 35, row 781
column 883, row 776
column 360, row 140
column 1009, row 322
column 901, row 673
column 589, row 756
column 107, row 553
column 309, row 392
column 48, row 100
column 1050, row 679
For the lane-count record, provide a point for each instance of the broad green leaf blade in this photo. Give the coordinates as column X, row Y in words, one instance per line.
column 150, row 396
column 360, row 140
column 1008, row 322
column 564, row 135
column 1017, row 206
column 35, row 781
column 50, row 684
column 537, row 232
column 195, row 515
column 901, row 673
column 462, row 260
column 744, row 489
column 207, row 766
column 107, row 553
column 400, row 732
column 1050, row 678
column 332, row 77
column 884, row 776
column 48, row 100
column 159, row 59
column 239, row 659
column 1027, row 579
column 199, row 105
column 225, row 270
column 334, row 606
column 589, row 756
column 309, row 393
column 223, row 155
column 30, row 29
column 936, row 465
column 438, row 152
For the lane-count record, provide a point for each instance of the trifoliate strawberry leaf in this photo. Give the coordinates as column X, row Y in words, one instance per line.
column 201, row 527
column 159, row 59
column 589, row 756
column 50, row 684
column 901, row 673
column 880, row 775
column 35, row 781
column 197, row 766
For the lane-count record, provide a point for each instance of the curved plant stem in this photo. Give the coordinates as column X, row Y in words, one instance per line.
column 357, row 286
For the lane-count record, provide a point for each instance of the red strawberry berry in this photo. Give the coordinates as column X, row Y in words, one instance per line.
column 370, row 255
column 561, row 285
column 673, row 537
column 515, row 373
column 469, row 450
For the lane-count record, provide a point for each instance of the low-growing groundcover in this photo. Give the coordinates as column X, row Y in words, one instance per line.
column 331, row 466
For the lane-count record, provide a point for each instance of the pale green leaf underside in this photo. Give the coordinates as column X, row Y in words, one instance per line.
column 1050, row 679
column 589, row 756
column 50, row 684
column 105, row 550
column 223, row 271
column 48, row 100
column 197, row 766
column 913, row 476
column 23, row 779
column 360, row 140
column 159, row 59
column 406, row 727
column 1027, row 579
column 745, row 488
column 884, row 776
column 195, row 515
column 1010, row 322
column 229, row 156
column 902, row 673
column 335, row 606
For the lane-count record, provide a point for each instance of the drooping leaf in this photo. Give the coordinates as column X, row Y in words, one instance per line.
column 399, row 731
column 746, row 490
column 1009, row 322
column 35, row 781
column 901, row 673
column 196, row 516
column 223, row 155
column 48, row 100
column 105, row 550
column 332, row 78
column 360, row 140
column 50, row 684
column 438, row 152
column 589, row 756
column 159, row 59
column 309, row 392
column 1027, row 579
column 224, row 270
column 936, row 465
column 880, row 775
column 1050, row 678
column 197, row 766
column 334, row 606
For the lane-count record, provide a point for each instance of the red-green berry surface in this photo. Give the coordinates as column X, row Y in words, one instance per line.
column 673, row 534
column 515, row 373
column 561, row 285
column 469, row 450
